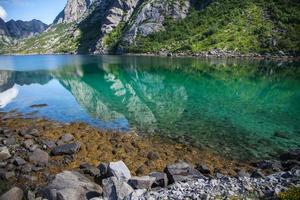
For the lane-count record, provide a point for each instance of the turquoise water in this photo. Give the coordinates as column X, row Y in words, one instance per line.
column 241, row 109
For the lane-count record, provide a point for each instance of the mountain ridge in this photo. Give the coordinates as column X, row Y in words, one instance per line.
column 173, row 26
column 21, row 29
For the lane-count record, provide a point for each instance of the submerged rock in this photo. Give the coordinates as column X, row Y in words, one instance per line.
column 291, row 155
column 66, row 149
column 13, row 194
column 71, row 185
column 181, row 172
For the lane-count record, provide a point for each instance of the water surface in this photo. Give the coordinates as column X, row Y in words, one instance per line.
column 241, row 109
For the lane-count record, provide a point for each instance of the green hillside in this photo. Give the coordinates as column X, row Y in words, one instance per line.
column 248, row 26
column 244, row 26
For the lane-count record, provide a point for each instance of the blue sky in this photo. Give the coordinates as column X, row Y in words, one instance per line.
column 44, row 10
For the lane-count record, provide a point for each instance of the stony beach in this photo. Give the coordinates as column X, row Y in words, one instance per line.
column 42, row 159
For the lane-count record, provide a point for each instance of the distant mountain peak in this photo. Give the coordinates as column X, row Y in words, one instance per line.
column 21, row 29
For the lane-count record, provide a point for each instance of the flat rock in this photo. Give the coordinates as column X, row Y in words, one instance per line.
column 161, row 179
column 4, row 153
column 119, row 170
column 13, row 194
column 71, row 185
column 182, row 172
column 116, row 189
column 144, row 182
column 39, row 157
column 66, row 149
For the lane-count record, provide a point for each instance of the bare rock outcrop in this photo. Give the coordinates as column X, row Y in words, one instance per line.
column 73, row 11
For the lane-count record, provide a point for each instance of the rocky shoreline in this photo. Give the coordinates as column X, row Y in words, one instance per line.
column 219, row 53
column 214, row 53
column 42, row 159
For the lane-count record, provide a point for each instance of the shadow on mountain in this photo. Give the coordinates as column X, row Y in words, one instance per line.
column 90, row 27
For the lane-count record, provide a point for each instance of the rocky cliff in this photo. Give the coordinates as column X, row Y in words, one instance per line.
column 177, row 26
column 73, row 11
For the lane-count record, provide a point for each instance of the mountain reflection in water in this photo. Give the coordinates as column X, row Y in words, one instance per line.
column 234, row 107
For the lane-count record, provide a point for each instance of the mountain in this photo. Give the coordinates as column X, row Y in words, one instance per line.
column 73, row 11
column 24, row 29
column 175, row 26
column 3, row 28
column 21, row 29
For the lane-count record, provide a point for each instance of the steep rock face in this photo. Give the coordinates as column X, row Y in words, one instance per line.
column 119, row 11
column 152, row 15
column 23, row 29
column 73, row 11
column 3, row 28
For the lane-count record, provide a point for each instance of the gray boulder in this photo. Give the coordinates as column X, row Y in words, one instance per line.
column 5, row 175
column 144, row 182
column 90, row 169
column 103, row 167
column 18, row 161
column 67, row 138
column 71, row 185
column 9, row 141
column 13, row 194
column 116, row 189
column 119, row 170
column 136, row 195
column 182, row 172
column 39, row 157
column 49, row 144
column 4, row 153
column 28, row 143
column 161, row 179
column 66, row 149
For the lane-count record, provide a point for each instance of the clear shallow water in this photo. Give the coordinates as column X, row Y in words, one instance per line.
column 231, row 106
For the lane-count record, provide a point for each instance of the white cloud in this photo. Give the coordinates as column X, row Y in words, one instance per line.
column 2, row 13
